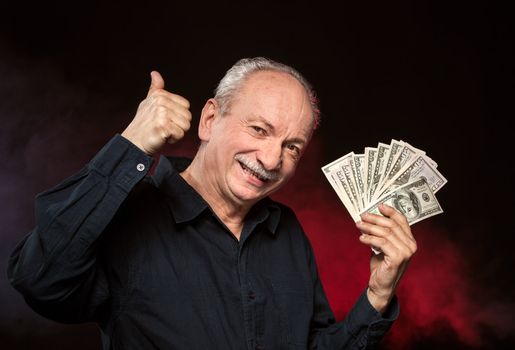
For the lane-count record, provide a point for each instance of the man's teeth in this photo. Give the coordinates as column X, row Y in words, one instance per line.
column 253, row 173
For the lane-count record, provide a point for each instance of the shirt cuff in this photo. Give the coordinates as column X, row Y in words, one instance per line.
column 123, row 162
column 364, row 316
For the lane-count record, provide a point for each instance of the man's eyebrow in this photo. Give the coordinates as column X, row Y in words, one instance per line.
column 296, row 140
column 271, row 128
column 264, row 121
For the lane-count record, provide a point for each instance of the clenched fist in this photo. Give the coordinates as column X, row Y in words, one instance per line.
column 161, row 117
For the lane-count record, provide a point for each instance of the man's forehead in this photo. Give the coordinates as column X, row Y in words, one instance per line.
column 265, row 84
column 264, row 88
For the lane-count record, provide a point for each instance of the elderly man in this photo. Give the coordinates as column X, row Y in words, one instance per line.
column 198, row 256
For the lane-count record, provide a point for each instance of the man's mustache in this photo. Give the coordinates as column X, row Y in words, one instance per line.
column 257, row 167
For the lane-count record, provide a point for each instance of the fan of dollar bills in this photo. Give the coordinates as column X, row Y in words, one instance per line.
column 397, row 174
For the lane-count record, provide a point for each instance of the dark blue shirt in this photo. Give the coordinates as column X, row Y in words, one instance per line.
column 149, row 260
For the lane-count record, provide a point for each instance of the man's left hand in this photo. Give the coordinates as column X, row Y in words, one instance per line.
column 391, row 234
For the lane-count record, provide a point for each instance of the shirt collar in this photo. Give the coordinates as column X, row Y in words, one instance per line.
column 186, row 203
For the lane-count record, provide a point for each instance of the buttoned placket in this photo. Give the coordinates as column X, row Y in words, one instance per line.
column 249, row 298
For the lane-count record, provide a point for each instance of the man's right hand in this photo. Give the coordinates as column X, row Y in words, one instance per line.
column 161, row 117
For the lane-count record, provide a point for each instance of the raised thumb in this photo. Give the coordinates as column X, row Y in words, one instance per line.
column 156, row 82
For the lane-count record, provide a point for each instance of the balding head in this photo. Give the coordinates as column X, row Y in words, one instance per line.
column 240, row 72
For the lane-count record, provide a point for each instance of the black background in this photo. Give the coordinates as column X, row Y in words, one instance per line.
column 438, row 74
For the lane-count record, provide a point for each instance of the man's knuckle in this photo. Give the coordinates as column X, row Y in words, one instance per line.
column 393, row 225
column 413, row 247
column 178, row 133
column 161, row 121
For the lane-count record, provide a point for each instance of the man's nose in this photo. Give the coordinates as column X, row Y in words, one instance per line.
column 271, row 155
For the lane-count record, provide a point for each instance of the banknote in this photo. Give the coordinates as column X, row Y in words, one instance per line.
column 383, row 150
column 362, row 180
column 406, row 153
column 343, row 178
column 332, row 172
column 370, row 156
column 415, row 200
column 395, row 147
column 419, row 167
column 358, row 164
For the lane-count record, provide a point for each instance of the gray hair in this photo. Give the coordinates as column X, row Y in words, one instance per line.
column 240, row 72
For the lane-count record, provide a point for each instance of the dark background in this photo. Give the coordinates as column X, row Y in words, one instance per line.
column 438, row 74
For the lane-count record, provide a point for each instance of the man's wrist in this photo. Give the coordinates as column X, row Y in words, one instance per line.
column 379, row 302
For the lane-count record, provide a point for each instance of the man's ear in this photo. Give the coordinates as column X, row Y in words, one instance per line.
column 209, row 114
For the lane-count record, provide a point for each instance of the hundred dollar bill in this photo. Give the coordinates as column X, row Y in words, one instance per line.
column 418, row 150
column 383, row 151
column 415, row 200
column 419, row 167
column 395, row 148
column 348, row 171
column 330, row 169
column 339, row 184
column 358, row 164
column 346, row 177
column 405, row 154
column 370, row 155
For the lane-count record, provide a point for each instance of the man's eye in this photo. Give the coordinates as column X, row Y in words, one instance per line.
column 259, row 130
column 293, row 148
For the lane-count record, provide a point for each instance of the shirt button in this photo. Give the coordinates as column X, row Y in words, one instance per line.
column 140, row 167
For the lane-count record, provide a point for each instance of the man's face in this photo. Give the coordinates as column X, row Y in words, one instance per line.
column 254, row 149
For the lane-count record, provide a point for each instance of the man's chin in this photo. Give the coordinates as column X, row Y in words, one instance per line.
column 246, row 196
column 249, row 199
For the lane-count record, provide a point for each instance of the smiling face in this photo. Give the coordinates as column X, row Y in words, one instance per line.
column 255, row 147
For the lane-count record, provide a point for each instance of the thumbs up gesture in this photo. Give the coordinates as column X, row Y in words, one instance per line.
column 161, row 117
